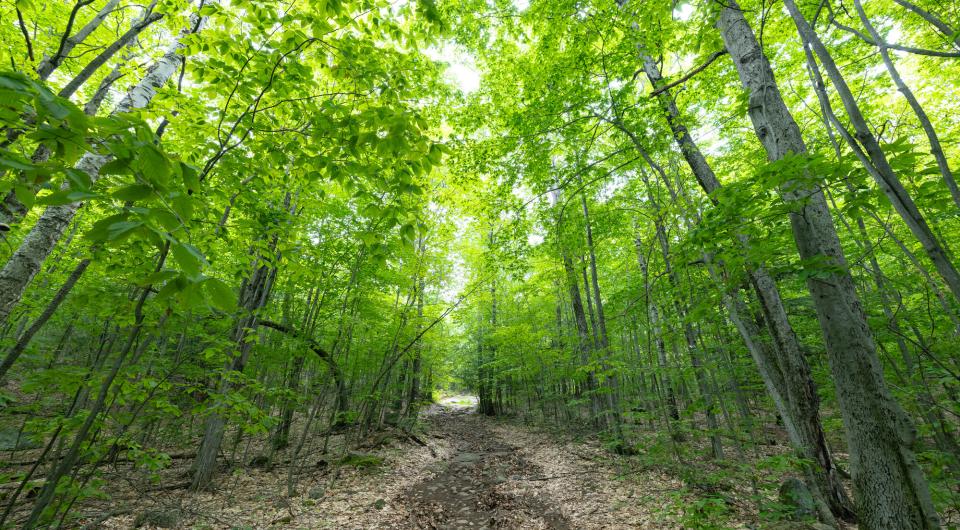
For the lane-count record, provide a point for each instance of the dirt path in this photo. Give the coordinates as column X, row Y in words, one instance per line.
column 472, row 472
column 473, row 490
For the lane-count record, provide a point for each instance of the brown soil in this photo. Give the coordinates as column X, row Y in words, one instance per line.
column 467, row 471
column 473, row 488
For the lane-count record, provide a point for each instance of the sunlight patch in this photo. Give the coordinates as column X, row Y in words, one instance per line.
column 461, row 70
column 683, row 12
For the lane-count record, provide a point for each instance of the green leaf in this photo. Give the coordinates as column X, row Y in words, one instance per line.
column 117, row 166
column 158, row 277
column 154, row 165
column 435, row 155
column 209, row 9
column 80, row 180
column 98, row 232
column 190, row 259
column 55, row 107
column 65, row 197
column 408, row 232
column 165, row 218
column 15, row 162
column 171, row 288
column 190, row 177
column 183, row 205
column 122, row 230
column 220, row 295
column 133, row 192
column 25, row 195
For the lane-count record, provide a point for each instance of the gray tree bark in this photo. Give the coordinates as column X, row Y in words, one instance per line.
column 889, row 486
column 875, row 160
column 783, row 366
column 689, row 333
column 935, row 148
column 12, row 210
column 612, row 382
column 653, row 315
column 934, row 20
column 583, row 330
column 254, row 295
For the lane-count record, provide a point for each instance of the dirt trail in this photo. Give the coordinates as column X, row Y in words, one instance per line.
column 473, row 490
column 467, row 472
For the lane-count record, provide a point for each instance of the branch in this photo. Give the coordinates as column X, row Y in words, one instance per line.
column 338, row 381
column 713, row 57
column 26, row 34
column 314, row 345
column 908, row 49
column 935, row 21
column 104, row 56
column 398, row 354
column 49, row 64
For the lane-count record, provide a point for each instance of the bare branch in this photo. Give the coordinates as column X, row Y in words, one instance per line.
column 713, row 57
column 26, row 34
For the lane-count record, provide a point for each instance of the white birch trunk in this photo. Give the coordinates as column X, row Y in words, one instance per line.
column 24, row 264
column 49, row 64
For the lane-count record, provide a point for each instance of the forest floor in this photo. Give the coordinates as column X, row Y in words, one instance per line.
column 504, row 475
column 470, row 471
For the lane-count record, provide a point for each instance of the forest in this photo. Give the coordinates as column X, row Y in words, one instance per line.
column 480, row 264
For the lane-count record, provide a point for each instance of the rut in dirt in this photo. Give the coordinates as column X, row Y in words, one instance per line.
column 480, row 485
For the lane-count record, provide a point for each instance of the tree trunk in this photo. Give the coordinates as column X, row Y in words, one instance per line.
column 254, row 295
column 611, row 393
column 875, row 160
column 783, row 367
column 24, row 339
column 653, row 315
column 889, row 486
column 689, row 333
column 65, row 465
column 69, row 42
column 935, row 148
column 583, row 332
column 413, row 397
column 934, row 20
column 25, row 262
column 148, row 18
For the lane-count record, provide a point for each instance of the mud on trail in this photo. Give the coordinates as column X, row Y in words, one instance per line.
column 476, row 487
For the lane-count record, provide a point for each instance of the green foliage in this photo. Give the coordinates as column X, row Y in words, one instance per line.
column 362, row 461
column 707, row 513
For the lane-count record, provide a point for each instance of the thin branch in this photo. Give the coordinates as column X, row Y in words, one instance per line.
column 934, row 20
column 314, row 345
column 26, row 34
column 713, row 57
column 892, row 46
column 49, row 64
column 70, row 88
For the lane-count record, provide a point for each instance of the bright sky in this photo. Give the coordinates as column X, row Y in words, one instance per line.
column 683, row 11
column 464, row 77
column 461, row 70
